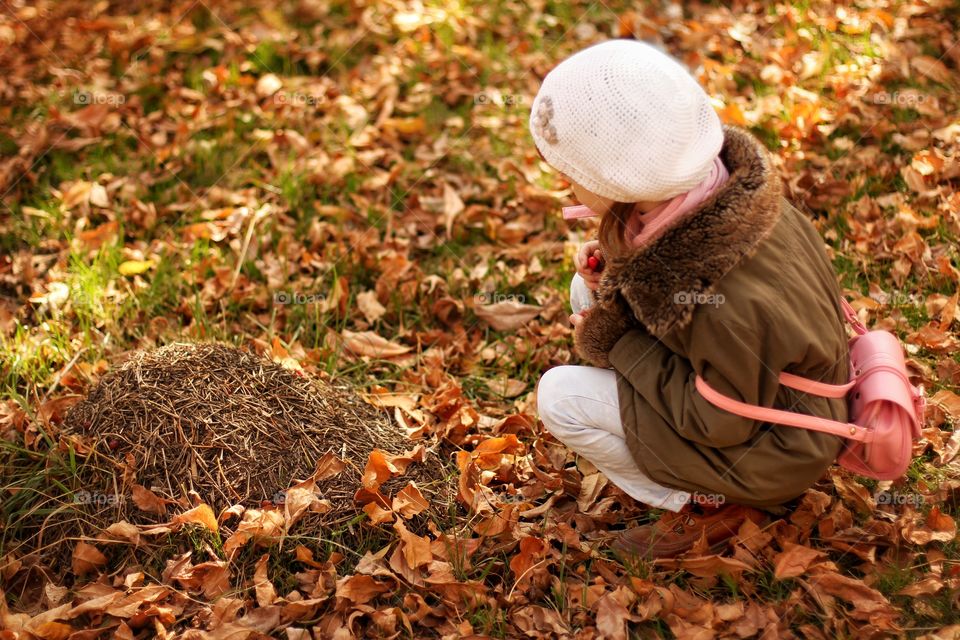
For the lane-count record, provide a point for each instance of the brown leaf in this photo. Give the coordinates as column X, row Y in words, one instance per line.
column 369, row 306
column 864, row 599
column 416, row 549
column 409, row 501
column 360, row 589
column 613, row 615
column 706, row 566
column 124, row 531
column 266, row 594
column 369, row 344
column 932, row 68
column 794, row 560
column 949, row 402
column 86, row 558
column 508, row 315
column 148, row 501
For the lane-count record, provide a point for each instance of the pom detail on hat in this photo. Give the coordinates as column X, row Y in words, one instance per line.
column 626, row 121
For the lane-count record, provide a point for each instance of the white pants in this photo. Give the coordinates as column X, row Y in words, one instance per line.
column 580, row 407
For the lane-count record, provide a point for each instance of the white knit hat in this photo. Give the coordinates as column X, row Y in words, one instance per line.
column 626, row 121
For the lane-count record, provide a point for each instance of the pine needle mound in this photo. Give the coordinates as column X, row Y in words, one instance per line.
column 235, row 428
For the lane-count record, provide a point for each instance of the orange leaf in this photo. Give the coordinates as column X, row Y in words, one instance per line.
column 51, row 630
column 377, row 470
column 531, row 550
column 202, row 514
column 305, row 556
column 377, row 514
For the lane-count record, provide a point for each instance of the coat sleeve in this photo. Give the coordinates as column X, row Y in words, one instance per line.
column 725, row 356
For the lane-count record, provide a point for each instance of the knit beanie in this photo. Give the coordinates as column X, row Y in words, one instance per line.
column 627, row 122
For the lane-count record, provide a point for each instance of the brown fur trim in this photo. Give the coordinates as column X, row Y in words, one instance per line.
column 663, row 280
column 602, row 326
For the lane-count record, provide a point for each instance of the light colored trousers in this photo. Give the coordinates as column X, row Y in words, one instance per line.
column 580, row 407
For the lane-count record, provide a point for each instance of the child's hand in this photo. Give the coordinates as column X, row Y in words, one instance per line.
column 589, row 263
column 576, row 319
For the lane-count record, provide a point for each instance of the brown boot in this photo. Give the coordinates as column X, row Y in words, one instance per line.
column 677, row 532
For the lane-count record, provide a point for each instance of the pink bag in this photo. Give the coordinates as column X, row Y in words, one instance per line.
column 886, row 411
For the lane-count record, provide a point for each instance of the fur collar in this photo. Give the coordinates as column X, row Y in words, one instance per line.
column 662, row 280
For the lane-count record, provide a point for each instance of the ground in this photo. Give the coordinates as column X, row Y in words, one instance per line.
column 349, row 188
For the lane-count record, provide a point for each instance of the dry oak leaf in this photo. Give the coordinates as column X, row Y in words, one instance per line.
column 372, row 345
column 360, row 589
column 508, row 315
column 794, row 560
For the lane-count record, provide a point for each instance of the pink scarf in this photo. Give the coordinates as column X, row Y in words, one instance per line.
column 643, row 227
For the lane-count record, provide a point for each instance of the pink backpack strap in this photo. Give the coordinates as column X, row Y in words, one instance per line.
column 851, row 315
column 817, row 388
column 764, row 414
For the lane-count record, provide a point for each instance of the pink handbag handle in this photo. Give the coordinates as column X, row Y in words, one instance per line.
column 763, row 414
column 814, row 423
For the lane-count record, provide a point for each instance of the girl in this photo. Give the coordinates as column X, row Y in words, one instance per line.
column 700, row 267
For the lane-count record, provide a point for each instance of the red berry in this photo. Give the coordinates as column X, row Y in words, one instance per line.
column 593, row 262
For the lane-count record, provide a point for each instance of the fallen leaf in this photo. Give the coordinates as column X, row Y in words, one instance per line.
column 369, row 344
column 794, row 560
column 148, row 501
column 86, row 558
column 266, row 594
column 409, row 501
column 508, row 315
column 202, row 514
column 416, row 549
column 369, row 306
column 360, row 589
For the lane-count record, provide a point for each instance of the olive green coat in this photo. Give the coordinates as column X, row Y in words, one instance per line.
column 737, row 291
